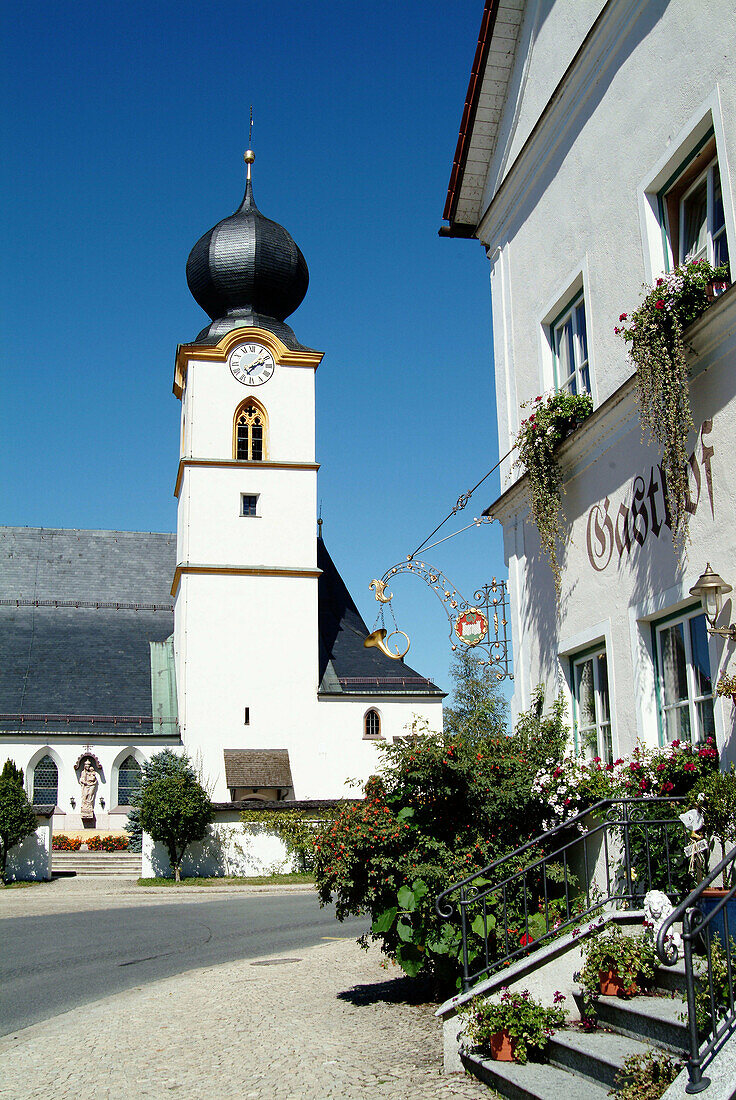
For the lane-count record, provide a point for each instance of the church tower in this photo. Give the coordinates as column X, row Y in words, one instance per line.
column 277, row 696
column 246, row 627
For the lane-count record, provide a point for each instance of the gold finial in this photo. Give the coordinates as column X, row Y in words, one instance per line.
column 249, row 156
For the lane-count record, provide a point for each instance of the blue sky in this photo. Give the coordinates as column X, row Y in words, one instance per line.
column 123, row 133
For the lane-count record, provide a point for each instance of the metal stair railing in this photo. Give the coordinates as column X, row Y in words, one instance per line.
column 483, row 902
column 702, row 930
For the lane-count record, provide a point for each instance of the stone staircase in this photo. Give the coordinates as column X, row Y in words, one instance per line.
column 117, row 864
column 583, row 1065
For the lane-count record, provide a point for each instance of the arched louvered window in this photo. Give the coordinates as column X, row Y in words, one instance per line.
column 372, row 724
column 251, row 424
column 129, row 780
column 45, row 782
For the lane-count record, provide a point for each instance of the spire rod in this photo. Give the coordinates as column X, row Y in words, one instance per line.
column 249, row 156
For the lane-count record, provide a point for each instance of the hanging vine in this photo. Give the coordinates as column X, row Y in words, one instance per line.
column 550, row 421
column 655, row 334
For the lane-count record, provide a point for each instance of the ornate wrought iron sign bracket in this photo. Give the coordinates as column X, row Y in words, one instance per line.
column 479, row 624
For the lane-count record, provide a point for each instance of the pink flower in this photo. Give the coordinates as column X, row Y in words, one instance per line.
column 659, row 304
column 661, row 767
column 624, row 317
column 660, row 282
column 689, row 766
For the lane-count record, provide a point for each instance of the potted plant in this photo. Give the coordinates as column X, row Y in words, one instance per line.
column 550, row 421
column 616, row 965
column 717, row 803
column 655, row 333
column 726, row 686
column 513, row 1027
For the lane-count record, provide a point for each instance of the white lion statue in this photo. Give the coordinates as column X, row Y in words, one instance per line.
column 657, row 908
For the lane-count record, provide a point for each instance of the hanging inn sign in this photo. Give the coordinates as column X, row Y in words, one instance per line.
column 480, row 624
column 613, row 532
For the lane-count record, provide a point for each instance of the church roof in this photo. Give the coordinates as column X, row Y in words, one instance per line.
column 78, row 610
column 345, row 665
column 247, row 271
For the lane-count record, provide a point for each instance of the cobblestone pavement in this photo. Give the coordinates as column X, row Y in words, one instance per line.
column 328, row 1022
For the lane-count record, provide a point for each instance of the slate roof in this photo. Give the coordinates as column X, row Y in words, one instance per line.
column 77, row 612
column 345, row 665
column 257, row 768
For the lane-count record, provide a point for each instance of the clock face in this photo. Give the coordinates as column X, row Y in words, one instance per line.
column 251, row 364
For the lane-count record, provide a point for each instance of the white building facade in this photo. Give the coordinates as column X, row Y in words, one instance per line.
column 596, row 155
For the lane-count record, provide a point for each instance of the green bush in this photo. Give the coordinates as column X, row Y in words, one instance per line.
column 17, row 819
column 163, row 763
column 444, row 806
column 175, row 810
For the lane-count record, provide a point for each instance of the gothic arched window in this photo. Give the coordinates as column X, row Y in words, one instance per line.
column 129, row 780
column 45, row 782
column 249, row 436
column 372, row 724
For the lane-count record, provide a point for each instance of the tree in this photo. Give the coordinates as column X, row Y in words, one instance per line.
column 17, row 819
column 166, row 762
column 11, row 771
column 479, row 708
column 176, row 810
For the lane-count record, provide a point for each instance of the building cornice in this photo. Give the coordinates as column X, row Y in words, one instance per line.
column 187, row 569
column 218, row 353
column 238, row 463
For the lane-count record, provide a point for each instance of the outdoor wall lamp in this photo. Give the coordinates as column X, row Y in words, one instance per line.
column 710, row 590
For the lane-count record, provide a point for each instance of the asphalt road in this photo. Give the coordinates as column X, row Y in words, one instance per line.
column 52, row 963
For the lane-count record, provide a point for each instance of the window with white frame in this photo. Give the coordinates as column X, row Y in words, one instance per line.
column 684, row 683
column 691, row 208
column 592, row 706
column 569, row 338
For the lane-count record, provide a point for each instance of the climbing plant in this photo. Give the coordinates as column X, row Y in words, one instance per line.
column 551, row 419
column 657, row 347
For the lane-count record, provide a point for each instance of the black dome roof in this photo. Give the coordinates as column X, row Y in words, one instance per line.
column 247, row 270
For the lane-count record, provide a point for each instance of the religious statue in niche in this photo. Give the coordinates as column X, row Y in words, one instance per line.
column 88, row 782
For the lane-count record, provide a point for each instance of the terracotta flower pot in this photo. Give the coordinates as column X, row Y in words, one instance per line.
column 502, row 1046
column 612, row 986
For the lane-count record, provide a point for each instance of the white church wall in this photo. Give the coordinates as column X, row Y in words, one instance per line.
column 213, row 395
column 248, row 645
column 217, row 533
column 30, row 861
column 230, row 848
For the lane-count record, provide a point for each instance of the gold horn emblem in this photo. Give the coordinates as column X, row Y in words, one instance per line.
column 378, row 639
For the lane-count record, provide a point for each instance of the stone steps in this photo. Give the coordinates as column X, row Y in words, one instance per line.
column 584, row 1065
column 119, row 864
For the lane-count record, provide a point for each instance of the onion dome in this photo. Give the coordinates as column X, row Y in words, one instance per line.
column 247, row 271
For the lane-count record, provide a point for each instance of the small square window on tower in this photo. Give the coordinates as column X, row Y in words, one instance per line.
column 249, row 504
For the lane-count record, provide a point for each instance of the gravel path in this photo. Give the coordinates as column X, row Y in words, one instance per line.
column 328, row 1022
